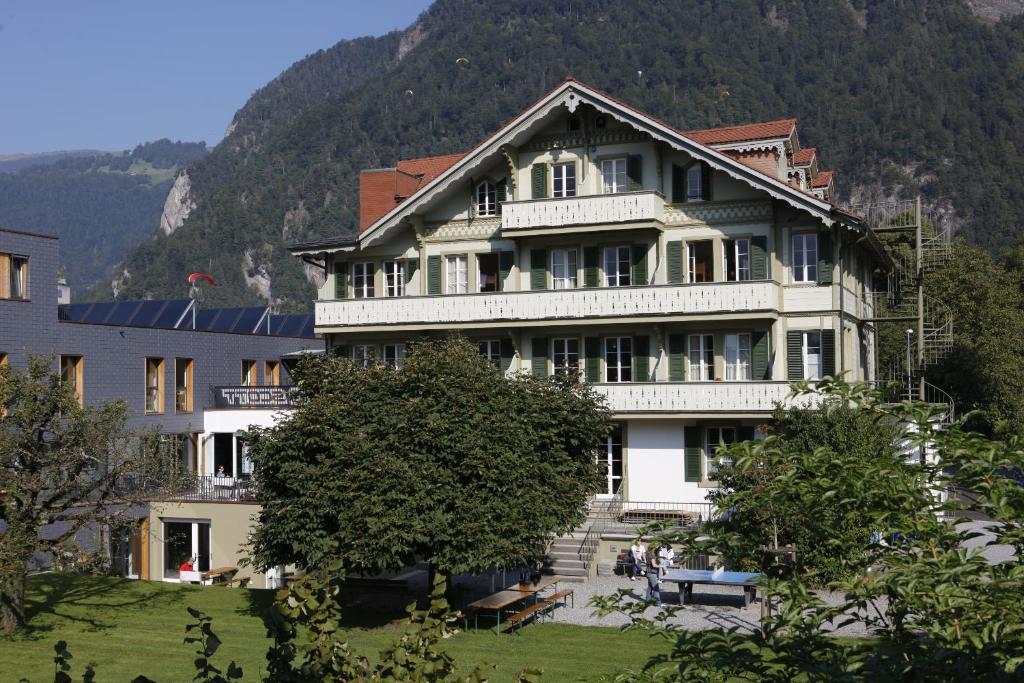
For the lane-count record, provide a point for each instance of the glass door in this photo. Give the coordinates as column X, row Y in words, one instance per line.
column 610, row 459
column 185, row 542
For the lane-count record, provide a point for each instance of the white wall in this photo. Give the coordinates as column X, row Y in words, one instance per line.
column 654, row 463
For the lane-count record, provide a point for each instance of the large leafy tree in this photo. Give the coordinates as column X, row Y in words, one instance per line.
column 60, row 469
column 446, row 459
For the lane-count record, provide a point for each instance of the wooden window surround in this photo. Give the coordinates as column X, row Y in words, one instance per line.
column 71, row 373
column 272, row 373
column 155, row 385
column 248, row 373
column 13, row 277
column 183, row 385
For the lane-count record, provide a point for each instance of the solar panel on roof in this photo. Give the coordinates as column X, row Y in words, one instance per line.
column 75, row 312
column 99, row 312
column 147, row 312
column 121, row 313
column 247, row 319
column 172, row 313
column 204, row 318
column 225, row 320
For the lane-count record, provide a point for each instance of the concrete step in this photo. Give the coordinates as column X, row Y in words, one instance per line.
column 564, row 555
column 560, row 566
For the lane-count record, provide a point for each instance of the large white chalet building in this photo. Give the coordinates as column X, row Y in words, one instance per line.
column 689, row 276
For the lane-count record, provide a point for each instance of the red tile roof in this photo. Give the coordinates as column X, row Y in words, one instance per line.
column 780, row 128
column 429, row 167
column 805, row 156
column 822, row 179
column 382, row 189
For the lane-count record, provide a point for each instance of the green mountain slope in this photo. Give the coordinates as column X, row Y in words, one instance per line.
column 899, row 97
column 100, row 204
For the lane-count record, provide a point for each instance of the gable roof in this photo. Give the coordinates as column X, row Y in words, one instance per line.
column 805, row 156
column 780, row 128
column 382, row 189
column 822, row 179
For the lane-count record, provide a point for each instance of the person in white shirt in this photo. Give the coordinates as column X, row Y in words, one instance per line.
column 637, row 558
column 667, row 556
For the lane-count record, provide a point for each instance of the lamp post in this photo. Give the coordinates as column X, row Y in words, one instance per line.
column 910, row 363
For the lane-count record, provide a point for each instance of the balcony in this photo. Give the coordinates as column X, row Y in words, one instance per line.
column 203, row 488
column 696, row 397
column 597, row 210
column 559, row 304
column 258, row 398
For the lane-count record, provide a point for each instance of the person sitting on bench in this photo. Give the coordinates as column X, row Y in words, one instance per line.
column 635, row 558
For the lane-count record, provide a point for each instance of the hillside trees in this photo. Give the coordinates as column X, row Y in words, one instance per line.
column 445, row 459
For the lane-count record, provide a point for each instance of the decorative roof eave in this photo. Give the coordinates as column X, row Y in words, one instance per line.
column 571, row 94
column 777, row 145
column 328, row 245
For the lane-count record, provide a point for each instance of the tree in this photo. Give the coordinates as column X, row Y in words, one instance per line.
column 60, row 465
column 445, row 459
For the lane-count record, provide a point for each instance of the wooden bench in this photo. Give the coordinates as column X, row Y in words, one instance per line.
column 562, row 595
column 533, row 610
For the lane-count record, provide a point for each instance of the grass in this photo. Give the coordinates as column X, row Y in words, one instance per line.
column 129, row 628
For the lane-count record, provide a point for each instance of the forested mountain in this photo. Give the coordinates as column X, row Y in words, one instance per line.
column 100, row 204
column 899, row 96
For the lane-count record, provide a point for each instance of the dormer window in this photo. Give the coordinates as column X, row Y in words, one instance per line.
column 486, row 199
column 695, row 183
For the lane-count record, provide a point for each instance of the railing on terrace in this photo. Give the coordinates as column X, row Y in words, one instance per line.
column 553, row 304
column 599, row 209
column 267, row 397
column 208, row 488
column 675, row 397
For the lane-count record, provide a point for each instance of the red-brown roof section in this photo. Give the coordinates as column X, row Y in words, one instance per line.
column 780, row 128
column 805, row 156
column 381, row 190
column 822, row 179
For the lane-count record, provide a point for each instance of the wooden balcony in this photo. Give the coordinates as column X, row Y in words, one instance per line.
column 590, row 210
column 559, row 304
column 696, row 397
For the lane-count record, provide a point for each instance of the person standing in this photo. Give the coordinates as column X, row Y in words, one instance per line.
column 653, row 580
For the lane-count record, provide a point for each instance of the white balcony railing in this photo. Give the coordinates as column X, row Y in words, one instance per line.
column 559, row 304
column 598, row 209
column 696, row 397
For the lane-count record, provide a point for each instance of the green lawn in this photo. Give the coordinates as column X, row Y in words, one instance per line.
column 131, row 627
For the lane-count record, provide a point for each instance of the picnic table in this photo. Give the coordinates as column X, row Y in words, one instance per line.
column 495, row 602
column 531, row 587
column 687, row 578
column 519, row 592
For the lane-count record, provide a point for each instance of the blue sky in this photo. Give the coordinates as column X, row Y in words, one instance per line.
column 108, row 74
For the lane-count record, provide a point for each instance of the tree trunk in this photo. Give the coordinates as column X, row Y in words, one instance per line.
column 12, row 601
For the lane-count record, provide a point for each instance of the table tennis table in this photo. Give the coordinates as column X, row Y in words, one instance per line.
column 687, row 578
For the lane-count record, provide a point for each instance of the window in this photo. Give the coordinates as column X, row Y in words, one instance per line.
column 272, row 373
column 394, row 278
column 393, row 354
column 805, row 257
column 618, row 359
column 609, row 458
column 613, row 176
column 701, row 357
column 486, row 199
column 186, row 541
column 183, row 385
column 737, row 356
column 812, row 355
column 154, row 385
column 563, row 180
column 616, row 266
column 695, row 183
column 71, row 373
column 737, row 260
column 563, row 268
column 362, row 354
column 458, row 274
column 248, row 373
column 487, row 267
column 700, row 260
column 362, row 280
column 13, row 277
column 491, row 350
column 566, row 355
column 715, row 437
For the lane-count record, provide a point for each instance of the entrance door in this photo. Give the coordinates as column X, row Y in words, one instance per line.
column 610, row 458
column 184, row 540
column 224, row 454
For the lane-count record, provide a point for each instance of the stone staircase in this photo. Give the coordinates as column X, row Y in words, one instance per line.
column 563, row 558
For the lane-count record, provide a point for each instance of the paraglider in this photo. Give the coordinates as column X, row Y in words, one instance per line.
column 462, row 61
column 194, row 292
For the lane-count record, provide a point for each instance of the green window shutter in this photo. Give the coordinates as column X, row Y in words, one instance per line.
column 824, row 258
column 591, row 266
column 539, row 359
column 760, row 357
column 678, row 184
column 828, row 352
column 641, row 358
column 592, row 358
column 635, row 172
column 411, row 266
column 433, row 275
column 794, row 355
column 538, row 269
column 693, row 454
column 677, row 358
column 501, row 192
column 674, row 257
column 508, row 352
column 505, row 261
column 745, row 433
column 341, row 273
column 539, row 180
column 759, row 258
column 705, row 181
column 638, row 276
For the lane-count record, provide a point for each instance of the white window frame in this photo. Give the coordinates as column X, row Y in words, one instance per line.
column 394, row 278
column 19, row 277
column 563, row 179
column 195, row 542
column 741, row 257
column 394, row 354
column 621, row 362
column 812, row 360
column 616, row 278
column 565, row 354
column 363, row 274
column 363, row 354
column 457, row 274
column 691, row 261
column 564, row 268
column 700, row 357
column 805, row 269
column 486, row 198
column 606, row 459
column 614, row 176
column 711, row 443
column 490, row 349
column 738, row 357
